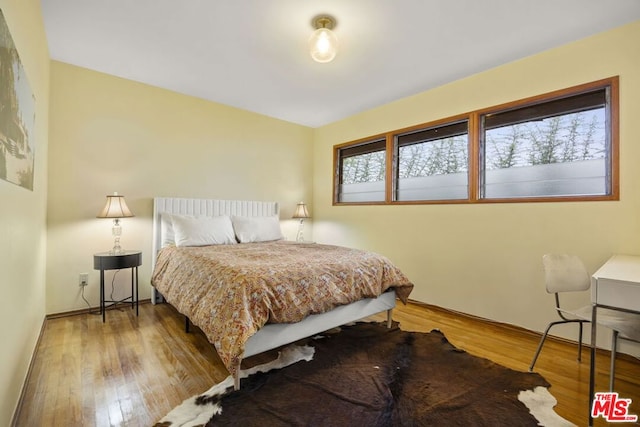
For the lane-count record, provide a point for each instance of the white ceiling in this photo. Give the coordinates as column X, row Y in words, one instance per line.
column 252, row 54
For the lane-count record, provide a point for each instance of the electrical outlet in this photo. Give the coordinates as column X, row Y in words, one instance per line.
column 84, row 279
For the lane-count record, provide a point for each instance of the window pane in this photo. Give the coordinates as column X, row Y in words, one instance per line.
column 557, row 154
column 362, row 173
column 433, row 163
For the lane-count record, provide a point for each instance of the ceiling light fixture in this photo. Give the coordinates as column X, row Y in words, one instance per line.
column 323, row 43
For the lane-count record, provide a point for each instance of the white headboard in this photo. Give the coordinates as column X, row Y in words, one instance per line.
column 203, row 207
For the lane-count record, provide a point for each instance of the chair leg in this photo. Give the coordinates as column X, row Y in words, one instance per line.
column 614, row 350
column 544, row 337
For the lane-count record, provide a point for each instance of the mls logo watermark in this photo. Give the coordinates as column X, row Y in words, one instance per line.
column 612, row 408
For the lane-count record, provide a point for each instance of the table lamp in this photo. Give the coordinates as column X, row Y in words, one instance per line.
column 302, row 213
column 115, row 208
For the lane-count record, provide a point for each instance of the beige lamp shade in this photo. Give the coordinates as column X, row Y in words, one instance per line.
column 115, row 207
column 301, row 211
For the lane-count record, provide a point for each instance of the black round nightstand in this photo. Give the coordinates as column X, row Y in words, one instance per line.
column 108, row 261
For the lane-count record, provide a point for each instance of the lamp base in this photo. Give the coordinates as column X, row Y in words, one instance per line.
column 116, row 232
column 300, row 236
column 117, row 249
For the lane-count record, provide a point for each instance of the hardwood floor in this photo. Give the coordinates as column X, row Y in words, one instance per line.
column 131, row 371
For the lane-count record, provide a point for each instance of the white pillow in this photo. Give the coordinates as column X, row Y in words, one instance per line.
column 166, row 230
column 257, row 228
column 203, row 230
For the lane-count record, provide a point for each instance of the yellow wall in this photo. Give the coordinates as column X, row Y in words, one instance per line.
column 486, row 259
column 109, row 134
column 22, row 218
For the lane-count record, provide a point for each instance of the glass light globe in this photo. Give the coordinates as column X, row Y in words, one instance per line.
column 323, row 45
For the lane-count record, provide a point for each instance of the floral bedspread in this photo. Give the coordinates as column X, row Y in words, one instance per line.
column 231, row 291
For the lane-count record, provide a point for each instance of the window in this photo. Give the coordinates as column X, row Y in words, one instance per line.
column 548, row 149
column 362, row 170
column 561, row 146
column 433, row 163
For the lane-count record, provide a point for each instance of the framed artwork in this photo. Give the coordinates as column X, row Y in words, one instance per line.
column 17, row 115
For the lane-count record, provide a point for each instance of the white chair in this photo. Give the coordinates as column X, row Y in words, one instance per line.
column 566, row 273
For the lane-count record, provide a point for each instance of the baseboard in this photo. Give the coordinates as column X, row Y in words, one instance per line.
column 18, row 407
column 522, row 330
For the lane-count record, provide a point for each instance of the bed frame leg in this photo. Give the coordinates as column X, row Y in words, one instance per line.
column 236, row 377
column 389, row 319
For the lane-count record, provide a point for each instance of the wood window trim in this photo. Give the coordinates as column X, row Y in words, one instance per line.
column 613, row 84
column 336, row 168
column 474, row 167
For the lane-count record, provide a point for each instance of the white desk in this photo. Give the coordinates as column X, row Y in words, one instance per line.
column 616, row 285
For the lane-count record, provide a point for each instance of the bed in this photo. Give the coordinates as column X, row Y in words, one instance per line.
column 263, row 292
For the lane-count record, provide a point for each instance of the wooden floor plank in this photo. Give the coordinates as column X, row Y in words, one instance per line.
column 133, row 370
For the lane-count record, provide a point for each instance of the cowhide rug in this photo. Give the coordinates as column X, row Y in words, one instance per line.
column 368, row 375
